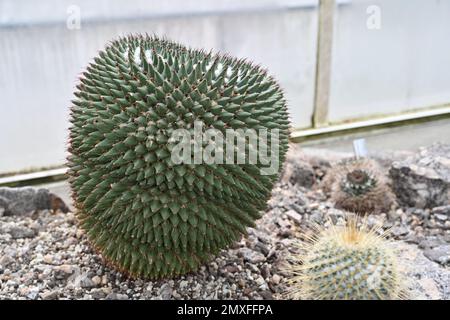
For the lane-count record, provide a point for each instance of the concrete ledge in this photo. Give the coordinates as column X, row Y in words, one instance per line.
column 396, row 120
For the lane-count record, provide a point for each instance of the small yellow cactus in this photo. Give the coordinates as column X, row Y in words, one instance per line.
column 349, row 262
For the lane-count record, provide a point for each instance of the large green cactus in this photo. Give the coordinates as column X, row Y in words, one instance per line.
column 146, row 214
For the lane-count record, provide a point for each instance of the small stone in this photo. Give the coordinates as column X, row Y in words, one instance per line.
column 265, row 271
column 165, row 291
column 275, row 279
column 64, row 271
column 176, row 295
column 48, row 259
column 261, row 247
column 6, row 260
column 97, row 280
column 430, row 289
column 441, row 217
column 33, row 293
column 79, row 233
column 440, row 254
column 251, row 256
column 399, row 231
column 183, row 284
column 444, row 210
column 116, row 296
column 49, row 295
column 98, row 293
column 231, row 269
column 294, row 216
column 84, row 281
column 17, row 232
column 430, row 243
column 266, row 295
column 260, row 281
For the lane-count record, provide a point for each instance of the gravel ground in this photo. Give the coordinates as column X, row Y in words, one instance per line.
column 45, row 256
column 49, row 258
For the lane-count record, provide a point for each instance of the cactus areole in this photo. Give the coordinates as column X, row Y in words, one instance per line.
column 148, row 215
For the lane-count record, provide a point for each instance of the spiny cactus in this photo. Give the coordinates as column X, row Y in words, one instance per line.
column 359, row 186
column 349, row 262
column 149, row 216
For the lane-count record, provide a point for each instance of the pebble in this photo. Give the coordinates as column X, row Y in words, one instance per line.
column 49, row 295
column 117, row 296
column 18, row 232
column 251, row 255
column 294, row 216
column 84, row 281
column 275, row 279
column 439, row 254
column 6, row 260
column 165, row 291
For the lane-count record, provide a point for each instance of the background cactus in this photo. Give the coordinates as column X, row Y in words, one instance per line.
column 348, row 262
column 146, row 215
column 359, row 186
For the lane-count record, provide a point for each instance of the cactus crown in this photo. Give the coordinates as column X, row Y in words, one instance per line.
column 360, row 186
column 358, row 182
column 148, row 216
column 350, row 262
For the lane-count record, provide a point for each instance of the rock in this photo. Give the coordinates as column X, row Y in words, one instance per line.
column 399, row 231
column 65, row 271
column 294, row 216
column 165, row 291
column 260, row 281
column 22, row 201
column 251, row 256
column 6, row 260
column 261, row 247
column 297, row 169
column 98, row 293
column 423, row 179
column 183, row 284
column 48, row 258
column 439, row 254
column 49, row 295
column 116, row 296
column 441, row 217
column 97, row 280
column 266, row 295
column 32, row 293
column 18, row 232
column 228, row 270
column 429, row 288
column 265, row 271
column 431, row 242
column 275, row 279
column 442, row 210
column 426, row 279
column 84, row 281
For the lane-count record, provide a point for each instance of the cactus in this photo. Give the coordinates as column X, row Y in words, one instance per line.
column 147, row 215
column 349, row 262
column 360, row 186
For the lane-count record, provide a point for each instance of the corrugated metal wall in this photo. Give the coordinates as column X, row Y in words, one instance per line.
column 403, row 65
